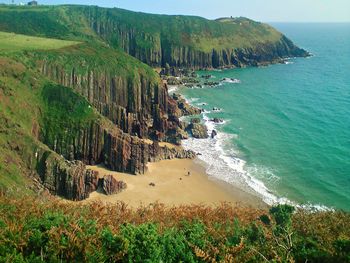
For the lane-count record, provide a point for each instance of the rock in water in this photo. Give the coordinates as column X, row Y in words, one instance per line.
column 109, row 185
column 217, row 120
column 198, row 130
column 213, row 134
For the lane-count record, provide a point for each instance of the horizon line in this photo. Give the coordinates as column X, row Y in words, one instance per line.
column 257, row 20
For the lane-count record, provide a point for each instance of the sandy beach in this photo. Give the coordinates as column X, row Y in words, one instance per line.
column 173, row 186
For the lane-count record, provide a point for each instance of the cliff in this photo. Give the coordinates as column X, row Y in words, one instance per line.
column 191, row 42
column 159, row 40
column 50, row 132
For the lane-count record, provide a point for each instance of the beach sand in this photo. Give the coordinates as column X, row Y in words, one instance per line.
column 173, row 186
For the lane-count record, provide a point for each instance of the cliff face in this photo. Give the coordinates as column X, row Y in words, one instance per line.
column 191, row 42
column 136, row 103
column 71, row 128
column 160, row 52
column 50, row 133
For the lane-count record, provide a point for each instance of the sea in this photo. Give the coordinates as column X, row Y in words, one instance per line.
column 285, row 134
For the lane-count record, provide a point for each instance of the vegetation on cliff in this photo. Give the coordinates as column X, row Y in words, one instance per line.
column 158, row 40
column 34, row 230
column 51, row 106
column 17, row 42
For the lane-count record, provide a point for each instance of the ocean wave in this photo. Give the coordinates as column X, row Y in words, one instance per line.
column 222, row 162
column 172, row 88
column 231, row 80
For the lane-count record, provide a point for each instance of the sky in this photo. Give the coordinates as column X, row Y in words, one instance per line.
column 260, row 10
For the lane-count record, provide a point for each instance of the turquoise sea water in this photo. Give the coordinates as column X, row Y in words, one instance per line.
column 287, row 126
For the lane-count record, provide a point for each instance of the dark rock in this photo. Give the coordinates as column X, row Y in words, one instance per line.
column 195, row 120
column 217, row 120
column 206, row 76
column 69, row 179
column 189, row 80
column 213, row 134
column 194, row 74
column 174, row 81
column 91, row 181
column 185, row 108
column 211, row 83
column 109, row 185
column 198, row 130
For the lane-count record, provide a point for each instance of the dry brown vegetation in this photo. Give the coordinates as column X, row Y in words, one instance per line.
column 35, row 229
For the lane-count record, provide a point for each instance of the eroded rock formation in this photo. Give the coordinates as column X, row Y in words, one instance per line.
column 109, row 185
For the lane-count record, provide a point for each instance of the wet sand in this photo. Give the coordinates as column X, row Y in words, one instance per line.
column 173, row 186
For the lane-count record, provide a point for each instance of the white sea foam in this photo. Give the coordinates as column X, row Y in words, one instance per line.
column 191, row 100
column 230, row 80
column 172, row 88
column 222, row 162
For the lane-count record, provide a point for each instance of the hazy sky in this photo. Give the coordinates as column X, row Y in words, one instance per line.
column 261, row 10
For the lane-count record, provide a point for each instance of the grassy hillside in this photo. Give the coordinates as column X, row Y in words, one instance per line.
column 17, row 42
column 73, row 22
column 31, row 106
column 183, row 41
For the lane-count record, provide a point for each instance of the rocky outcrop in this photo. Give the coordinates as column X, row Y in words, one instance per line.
column 185, row 108
column 197, row 129
column 217, row 120
column 109, row 185
column 69, row 179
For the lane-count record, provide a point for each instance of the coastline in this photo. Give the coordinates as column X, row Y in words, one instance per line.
column 173, row 187
column 223, row 165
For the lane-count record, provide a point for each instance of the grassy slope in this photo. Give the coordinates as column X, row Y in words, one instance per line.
column 28, row 101
column 97, row 57
column 196, row 32
column 17, row 42
column 70, row 22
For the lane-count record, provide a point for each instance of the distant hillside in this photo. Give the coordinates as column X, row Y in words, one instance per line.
column 180, row 41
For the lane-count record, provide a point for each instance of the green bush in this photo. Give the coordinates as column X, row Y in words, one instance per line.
column 37, row 232
column 144, row 242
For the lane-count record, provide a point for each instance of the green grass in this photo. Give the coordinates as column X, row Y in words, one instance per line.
column 95, row 57
column 33, row 108
column 75, row 22
column 65, row 114
column 17, row 42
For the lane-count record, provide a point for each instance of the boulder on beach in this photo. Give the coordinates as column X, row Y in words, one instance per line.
column 109, row 185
